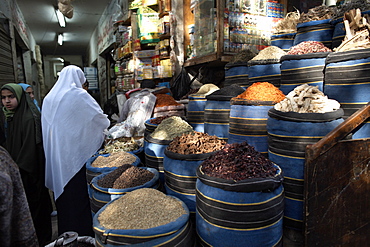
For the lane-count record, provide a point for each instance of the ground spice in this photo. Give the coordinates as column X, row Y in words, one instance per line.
column 244, row 56
column 195, row 143
column 238, row 161
column 262, row 91
column 158, row 120
column 171, row 127
column 141, row 209
column 306, row 47
column 165, row 100
column 270, row 52
column 114, row 160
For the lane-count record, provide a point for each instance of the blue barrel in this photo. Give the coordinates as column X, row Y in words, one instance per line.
column 101, row 196
column 302, row 69
column 195, row 112
column 216, row 117
column 154, row 154
column 284, row 41
column 176, row 233
column 347, row 80
column 237, row 73
column 288, row 135
column 248, row 121
column 243, row 213
column 264, row 71
column 321, row 31
column 180, row 173
column 149, row 127
column 339, row 32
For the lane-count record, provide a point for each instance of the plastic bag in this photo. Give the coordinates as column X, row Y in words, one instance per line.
column 181, row 85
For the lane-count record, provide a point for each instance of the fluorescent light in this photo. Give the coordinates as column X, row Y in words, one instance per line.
column 61, row 18
column 61, row 59
column 60, row 39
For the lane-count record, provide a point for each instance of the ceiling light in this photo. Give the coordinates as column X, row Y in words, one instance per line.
column 61, row 18
column 60, row 39
column 61, row 59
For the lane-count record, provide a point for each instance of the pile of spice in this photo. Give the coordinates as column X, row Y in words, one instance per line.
column 158, row 120
column 243, row 56
column 195, row 143
column 270, row 53
column 125, row 176
column 238, row 161
column 171, row 127
column 233, row 90
column 262, row 91
column 165, row 100
column 318, row 13
column 119, row 146
column 307, row 99
column 114, row 160
column 141, row 209
column 306, row 47
column 288, row 24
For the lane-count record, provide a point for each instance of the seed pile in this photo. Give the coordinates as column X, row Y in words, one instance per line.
column 238, row 161
column 306, row 47
column 125, row 176
column 262, row 91
column 195, row 143
column 232, row 90
column 307, row 99
column 171, row 127
column 318, row 13
column 114, row 160
column 141, row 209
column 270, row 53
column 158, row 120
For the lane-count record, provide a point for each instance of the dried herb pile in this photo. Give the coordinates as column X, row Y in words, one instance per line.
column 348, row 5
column 243, row 56
column 262, row 91
column 120, row 145
column 307, row 99
column 114, row 160
column 171, row 127
column 288, row 24
column 141, row 209
column 125, row 176
column 307, row 47
column 238, row 161
column 318, row 13
column 196, row 143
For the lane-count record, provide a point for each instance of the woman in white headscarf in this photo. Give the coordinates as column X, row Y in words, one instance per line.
column 72, row 128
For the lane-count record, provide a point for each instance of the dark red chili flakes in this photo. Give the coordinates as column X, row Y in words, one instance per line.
column 238, row 161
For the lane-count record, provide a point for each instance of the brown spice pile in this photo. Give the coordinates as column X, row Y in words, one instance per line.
column 158, row 120
column 165, row 100
column 262, row 91
column 196, row 143
column 141, row 209
column 306, row 47
column 321, row 12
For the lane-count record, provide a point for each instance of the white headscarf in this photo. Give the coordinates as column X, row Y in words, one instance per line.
column 72, row 128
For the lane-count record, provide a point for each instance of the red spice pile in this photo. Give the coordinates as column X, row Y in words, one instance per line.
column 306, row 47
column 262, row 91
column 165, row 100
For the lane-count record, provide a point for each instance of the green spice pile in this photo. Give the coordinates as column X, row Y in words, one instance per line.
column 171, row 127
column 141, row 209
